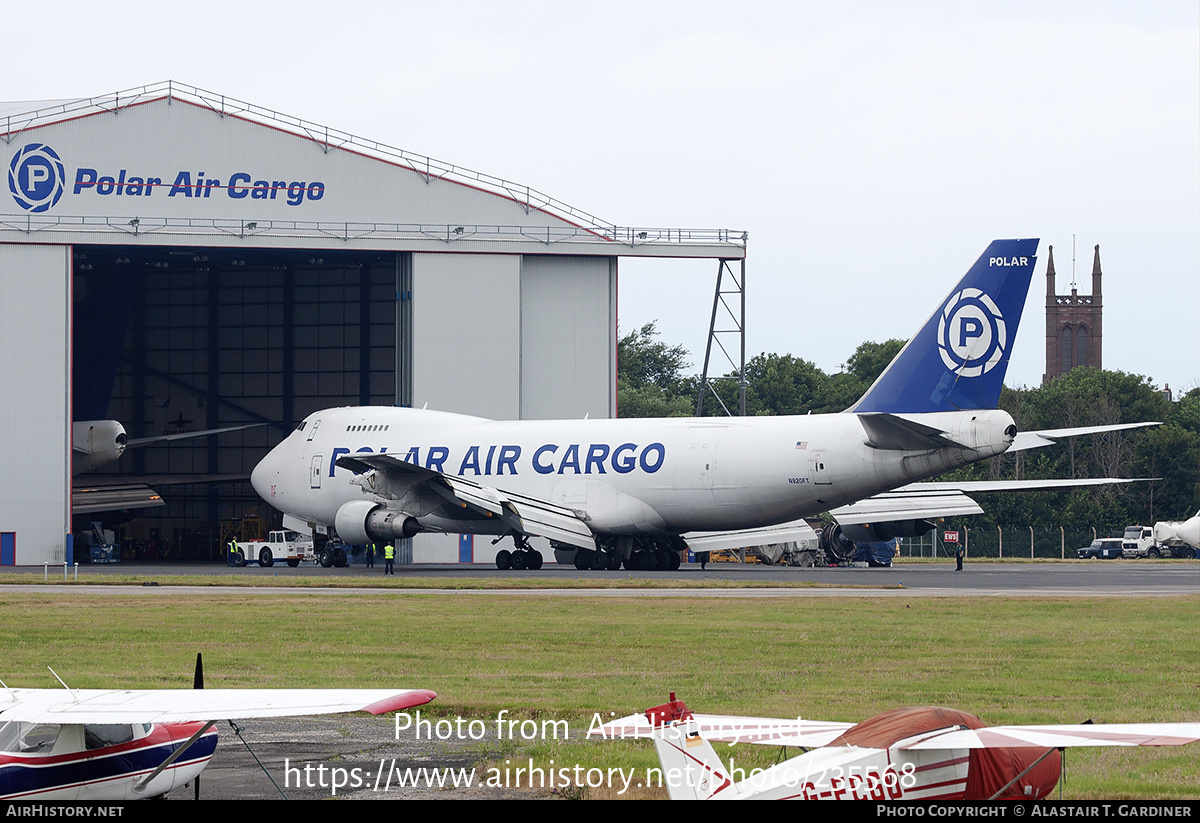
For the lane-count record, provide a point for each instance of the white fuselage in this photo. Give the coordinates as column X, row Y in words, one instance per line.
column 628, row 476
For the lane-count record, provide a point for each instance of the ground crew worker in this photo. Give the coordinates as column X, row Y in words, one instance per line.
column 233, row 550
column 370, row 555
column 389, row 556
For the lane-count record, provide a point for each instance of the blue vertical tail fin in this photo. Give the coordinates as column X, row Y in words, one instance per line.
column 960, row 356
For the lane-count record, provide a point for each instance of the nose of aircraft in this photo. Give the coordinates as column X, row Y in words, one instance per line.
column 265, row 477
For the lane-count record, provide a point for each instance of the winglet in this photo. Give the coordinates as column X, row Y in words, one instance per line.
column 960, row 356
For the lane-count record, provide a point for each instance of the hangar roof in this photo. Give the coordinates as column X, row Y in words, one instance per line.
column 449, row 206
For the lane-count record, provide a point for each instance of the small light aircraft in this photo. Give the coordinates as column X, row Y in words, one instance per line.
column 637, row 491
column 904, row 754
column 113, row 744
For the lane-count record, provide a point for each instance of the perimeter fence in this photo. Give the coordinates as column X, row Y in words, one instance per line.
column 1017, row 542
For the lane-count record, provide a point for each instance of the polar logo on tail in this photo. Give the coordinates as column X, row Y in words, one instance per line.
column 971, row 333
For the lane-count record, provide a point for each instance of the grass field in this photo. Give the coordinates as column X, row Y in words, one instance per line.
column 1007, row 660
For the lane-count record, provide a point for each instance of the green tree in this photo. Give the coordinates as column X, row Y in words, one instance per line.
column 650, row 376
column 870, row 359
column 783, row 384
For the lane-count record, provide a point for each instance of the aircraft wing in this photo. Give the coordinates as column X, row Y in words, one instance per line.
column 945, row 498
column 186, row 705
column 765, row 731
column 524, row 514
column 1049, row 737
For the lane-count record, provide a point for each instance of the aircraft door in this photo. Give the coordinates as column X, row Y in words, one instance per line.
column 816, row 468
column 314, row 472
column 313, row 431
column 697, row 451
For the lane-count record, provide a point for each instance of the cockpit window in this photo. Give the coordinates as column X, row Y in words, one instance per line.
column 99, row 735
column 300, row 428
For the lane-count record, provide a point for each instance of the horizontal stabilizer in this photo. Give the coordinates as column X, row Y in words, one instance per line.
column 765, row 731
column 170, row 438
column 889, row 431
column 1048, row 437
column 715, row 541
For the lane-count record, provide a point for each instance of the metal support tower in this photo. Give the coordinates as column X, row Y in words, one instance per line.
column 715, row 335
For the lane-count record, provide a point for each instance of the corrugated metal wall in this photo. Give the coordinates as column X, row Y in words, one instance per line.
column 568, row 337
column 466, row 333
column 35, row 371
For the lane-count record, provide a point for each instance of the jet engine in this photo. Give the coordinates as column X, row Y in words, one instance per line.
column 885, row 531
column 362, row 521
column 839, row 542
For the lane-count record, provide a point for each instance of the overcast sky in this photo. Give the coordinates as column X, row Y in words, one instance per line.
column 871, row 150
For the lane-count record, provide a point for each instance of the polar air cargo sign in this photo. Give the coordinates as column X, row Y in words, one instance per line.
column 37, row 180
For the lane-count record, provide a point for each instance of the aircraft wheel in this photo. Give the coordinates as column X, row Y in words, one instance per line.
column 266, row 559
column 293, row 562
column 582, row 561
column 504, row 560
column 339, row 558
column 325, row 558
column 535, row 559
column 519, row 561
column 614, row 561
column 662, row 561
column 597, row 562
column 675, row 561
column 239, row 559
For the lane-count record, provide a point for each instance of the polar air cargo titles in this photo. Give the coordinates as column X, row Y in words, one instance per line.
column 637, row 490
column 37, row 179
column 240, row 186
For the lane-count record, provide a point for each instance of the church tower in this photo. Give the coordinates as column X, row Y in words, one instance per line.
column 1072, row 324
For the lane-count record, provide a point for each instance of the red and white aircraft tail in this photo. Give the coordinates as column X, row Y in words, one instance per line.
column 691, row 769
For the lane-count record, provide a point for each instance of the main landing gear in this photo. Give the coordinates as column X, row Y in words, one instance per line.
column 524, row 557
column 643, row 554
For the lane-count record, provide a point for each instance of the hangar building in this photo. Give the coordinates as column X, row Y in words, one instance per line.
column 178, row 261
